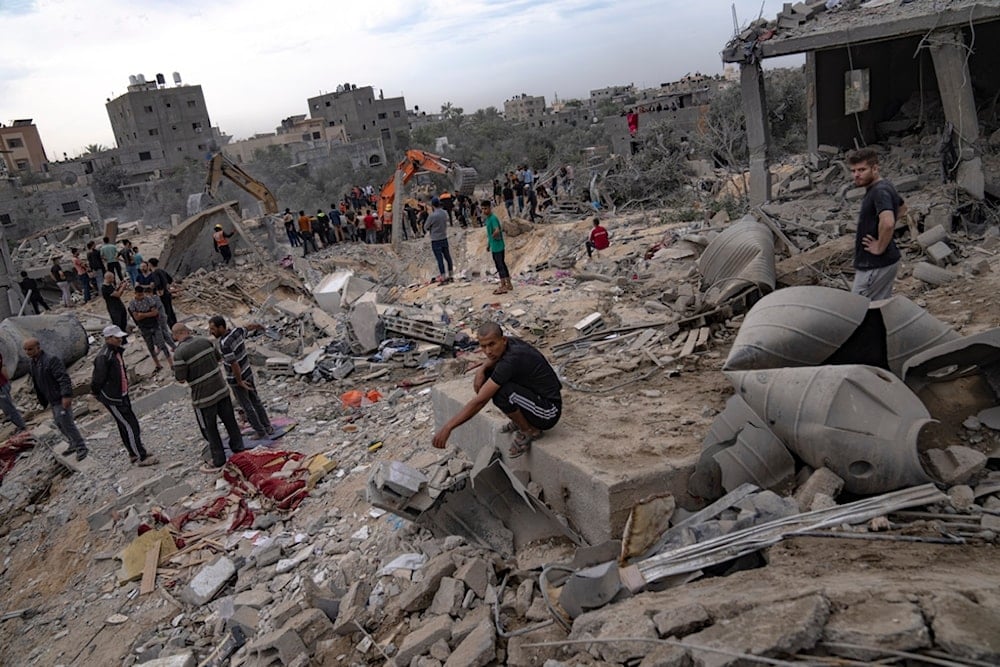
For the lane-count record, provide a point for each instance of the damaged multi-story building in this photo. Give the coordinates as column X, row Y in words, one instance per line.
column 880, row 69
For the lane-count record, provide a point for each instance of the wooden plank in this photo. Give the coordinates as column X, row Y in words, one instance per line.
column 703, row 335
column 148, row 584
column 692, row 340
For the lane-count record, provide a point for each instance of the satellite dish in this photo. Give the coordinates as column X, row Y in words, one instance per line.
column 67, row 178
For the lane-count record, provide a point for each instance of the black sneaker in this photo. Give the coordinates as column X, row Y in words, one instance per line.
column 81, row 454
column 69, row 450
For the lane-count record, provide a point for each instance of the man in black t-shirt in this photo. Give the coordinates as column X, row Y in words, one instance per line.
column 876, row 257
column 520, row 381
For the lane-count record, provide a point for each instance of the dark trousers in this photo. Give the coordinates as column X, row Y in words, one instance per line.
column 64, row 422
column 116, row 268
column 36, row 301
column 293, row 237
column 590, row 248
column 207, row 417
column 308, row 240
column 168, row 308
column 501, row 263
column 442, row 254
column 541, row 412
column 226, row 252
column 249, row 400
column 128, row 428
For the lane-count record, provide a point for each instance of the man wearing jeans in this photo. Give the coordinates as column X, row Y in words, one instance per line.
column 53, row 388
column 7, row 403
column 239, row 373
column 437, row 228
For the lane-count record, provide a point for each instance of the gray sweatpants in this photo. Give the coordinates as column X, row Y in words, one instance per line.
column 876, row 284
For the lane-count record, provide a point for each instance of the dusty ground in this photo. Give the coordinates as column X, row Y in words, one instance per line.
column 56, row 566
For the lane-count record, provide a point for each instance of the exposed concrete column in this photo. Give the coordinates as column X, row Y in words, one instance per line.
column 950, row 55
column 397, row 212
column 812, row 111
column 758, row 131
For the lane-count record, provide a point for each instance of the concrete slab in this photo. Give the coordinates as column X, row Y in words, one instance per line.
column 592, row 482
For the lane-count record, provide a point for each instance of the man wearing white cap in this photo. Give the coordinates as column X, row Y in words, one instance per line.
column 110, row 385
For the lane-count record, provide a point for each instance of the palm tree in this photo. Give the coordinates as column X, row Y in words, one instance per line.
column 93, row 149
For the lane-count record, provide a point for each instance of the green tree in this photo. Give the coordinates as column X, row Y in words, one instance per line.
column 107, row 182
column 94, row 149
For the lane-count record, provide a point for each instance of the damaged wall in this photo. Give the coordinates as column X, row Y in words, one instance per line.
column 189, row 246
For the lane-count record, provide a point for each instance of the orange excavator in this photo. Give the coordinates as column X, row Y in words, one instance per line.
column 464, row 179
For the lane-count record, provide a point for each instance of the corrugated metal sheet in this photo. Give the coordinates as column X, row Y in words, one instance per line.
column 796, row 326
column 739, row 257
column 859, row 421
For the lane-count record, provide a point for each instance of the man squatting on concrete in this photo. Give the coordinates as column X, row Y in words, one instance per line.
column 196, row 362
column 520, row 381
column 54, row 389
column 239, row 373
column 876, row 257
column 109, row 383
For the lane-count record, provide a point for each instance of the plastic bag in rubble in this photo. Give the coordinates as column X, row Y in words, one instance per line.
column 356, row 399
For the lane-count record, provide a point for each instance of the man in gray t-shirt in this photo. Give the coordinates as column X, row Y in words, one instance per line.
column 437, row 229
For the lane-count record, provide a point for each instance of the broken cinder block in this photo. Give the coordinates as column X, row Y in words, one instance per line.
column 589, row 324
column 940, row 253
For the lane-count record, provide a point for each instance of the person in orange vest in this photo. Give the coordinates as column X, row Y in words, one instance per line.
column 221, row 241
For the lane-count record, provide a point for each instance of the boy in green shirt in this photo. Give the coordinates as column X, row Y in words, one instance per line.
column 494, row 241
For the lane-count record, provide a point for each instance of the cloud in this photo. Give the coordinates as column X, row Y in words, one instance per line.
column 258, row 64
column 17, row 7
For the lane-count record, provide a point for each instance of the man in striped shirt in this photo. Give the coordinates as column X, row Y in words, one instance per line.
column 196, row 362
column 239, row 374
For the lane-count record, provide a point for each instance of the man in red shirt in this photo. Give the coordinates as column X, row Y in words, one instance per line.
column 598, row 238
column 370, row 227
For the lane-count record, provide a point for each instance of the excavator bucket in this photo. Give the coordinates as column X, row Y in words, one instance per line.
column 465, row 180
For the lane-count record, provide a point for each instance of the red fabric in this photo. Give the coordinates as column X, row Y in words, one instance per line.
column 10, row 450
column 633, row 123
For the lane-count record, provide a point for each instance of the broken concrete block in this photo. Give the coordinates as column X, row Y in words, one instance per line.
column 821, row 501
column 173, row 494
column 365, row 323
column 352, row 610
column 246, row 618
column 932, row 275
column 970, row 177
column 940, row 253
column 667, row 656
column 961, row 497
column 522, row 599
column 420, row 640
column 896, row 626
column 286, row 611
column 682, row 620
column 978, row 267
column 827, row 149
column 907, row 183
column 310, row 625
column 589, row 324
column 956, row 464
column 448, row 598
column 209, row 581
column 782, row 628
column 855, row 194
column 476, row 574
column 612, row 623
column 933, row 235
column 938, row 216
column 476, row 650
column 823, row 481
column 420, row 594
column 185, row 659
column 282, row 644
column 965, row 629
column 255, row 598
column 800, row 185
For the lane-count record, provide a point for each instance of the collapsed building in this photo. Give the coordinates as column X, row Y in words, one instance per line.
column 878, row 70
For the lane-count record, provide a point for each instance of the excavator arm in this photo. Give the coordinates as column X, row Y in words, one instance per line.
column 417, row 161
column 222, row 167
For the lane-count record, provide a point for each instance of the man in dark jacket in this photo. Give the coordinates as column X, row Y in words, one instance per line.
column 110, row 385
column 162, row 282
column 29, row 287
column 53, row 388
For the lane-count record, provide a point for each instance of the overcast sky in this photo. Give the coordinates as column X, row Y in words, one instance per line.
column 258, row 60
